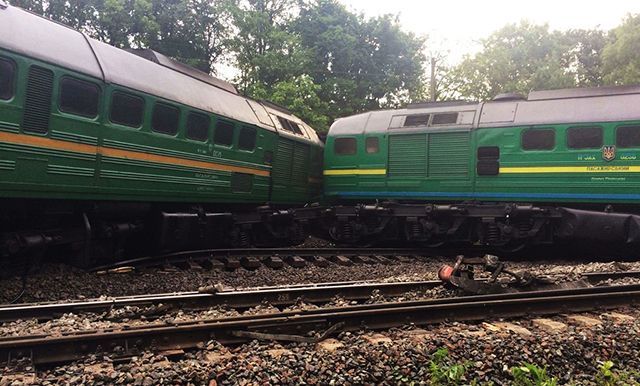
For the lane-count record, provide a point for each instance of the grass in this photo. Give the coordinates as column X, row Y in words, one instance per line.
column 443, row 371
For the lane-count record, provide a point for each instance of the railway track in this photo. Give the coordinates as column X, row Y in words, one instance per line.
column 300, row 326
column 253, row 258
column 309, row 325
column 245, row 298
column 240, row 299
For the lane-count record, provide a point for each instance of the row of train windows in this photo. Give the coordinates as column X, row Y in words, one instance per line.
column 82, row 98
column 532, row 139
column 579, row 138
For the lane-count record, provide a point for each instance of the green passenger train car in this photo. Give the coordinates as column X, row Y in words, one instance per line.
column 512, row 171
column 100, row 146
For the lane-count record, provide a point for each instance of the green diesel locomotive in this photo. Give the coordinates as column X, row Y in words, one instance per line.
column 104, row 150
column 509, row 172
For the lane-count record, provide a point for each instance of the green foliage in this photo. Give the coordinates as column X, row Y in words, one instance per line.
column 524, row 57
column 620, row 57
column 531, row 375
column 265, row 50
column 442, row 371
column 192, row 31
column 608, row 376
column 361, row 64
column 300, row 95
column 584, row 56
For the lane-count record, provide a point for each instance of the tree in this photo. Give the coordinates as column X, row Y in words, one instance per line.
column 192, row 31
column 300, row 95
column 266, row 51
column 360, row 64
column 620, row 57
column 517, row 58
column 583, row 56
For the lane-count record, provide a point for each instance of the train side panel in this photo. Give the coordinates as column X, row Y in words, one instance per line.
column 587, row 162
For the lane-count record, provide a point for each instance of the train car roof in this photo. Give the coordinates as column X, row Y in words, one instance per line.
column 151, row 73
column 166, row 61
column 56, row 43
column 566, row 106
column 395, row 120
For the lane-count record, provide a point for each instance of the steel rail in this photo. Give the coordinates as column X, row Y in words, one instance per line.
column 595, row 277
column 238, row 299
column 131, row 341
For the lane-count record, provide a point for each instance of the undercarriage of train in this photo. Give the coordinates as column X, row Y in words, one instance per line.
column 507, row 226
column 100, row 232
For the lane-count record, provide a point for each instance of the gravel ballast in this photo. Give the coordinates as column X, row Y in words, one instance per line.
column 571, row 353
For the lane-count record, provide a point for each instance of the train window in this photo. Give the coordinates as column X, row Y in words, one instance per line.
column 584, row 137
column 416, row 120
column 247, row 139
column 538, row 139
column 224, row 133
column 488, row 161
column 126, row 109
column 372, row 145
column 444, row 119
column 7, row 75
column 287, row 125
column 628, row 136
column 79, row 97
column 489, row 152
column 296, row 128
column 165, row 119
column 345, row 146
column 197, row 126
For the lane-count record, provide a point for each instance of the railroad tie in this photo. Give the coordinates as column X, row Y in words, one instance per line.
column 274, row 262
column 318, row 261
column 341, row 260
column 295, row 261
column 250, row 262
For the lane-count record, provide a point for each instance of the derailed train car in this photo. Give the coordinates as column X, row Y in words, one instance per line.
column 515, row 171
column 103, row 151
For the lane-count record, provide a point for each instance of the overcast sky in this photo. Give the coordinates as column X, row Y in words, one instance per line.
column 455, row 26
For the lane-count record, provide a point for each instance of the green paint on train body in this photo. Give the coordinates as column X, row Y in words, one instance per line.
column 92, row 158
column 596, row 162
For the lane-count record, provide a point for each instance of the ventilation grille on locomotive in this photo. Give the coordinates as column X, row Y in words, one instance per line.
column 37, row 109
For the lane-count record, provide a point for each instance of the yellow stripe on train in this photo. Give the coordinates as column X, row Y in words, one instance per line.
column 346, row 172
column 56, row 144
column 570, row 169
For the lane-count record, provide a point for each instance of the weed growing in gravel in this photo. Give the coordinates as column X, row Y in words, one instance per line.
column 442, row 371
column 529, row 374
column 608, row 376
